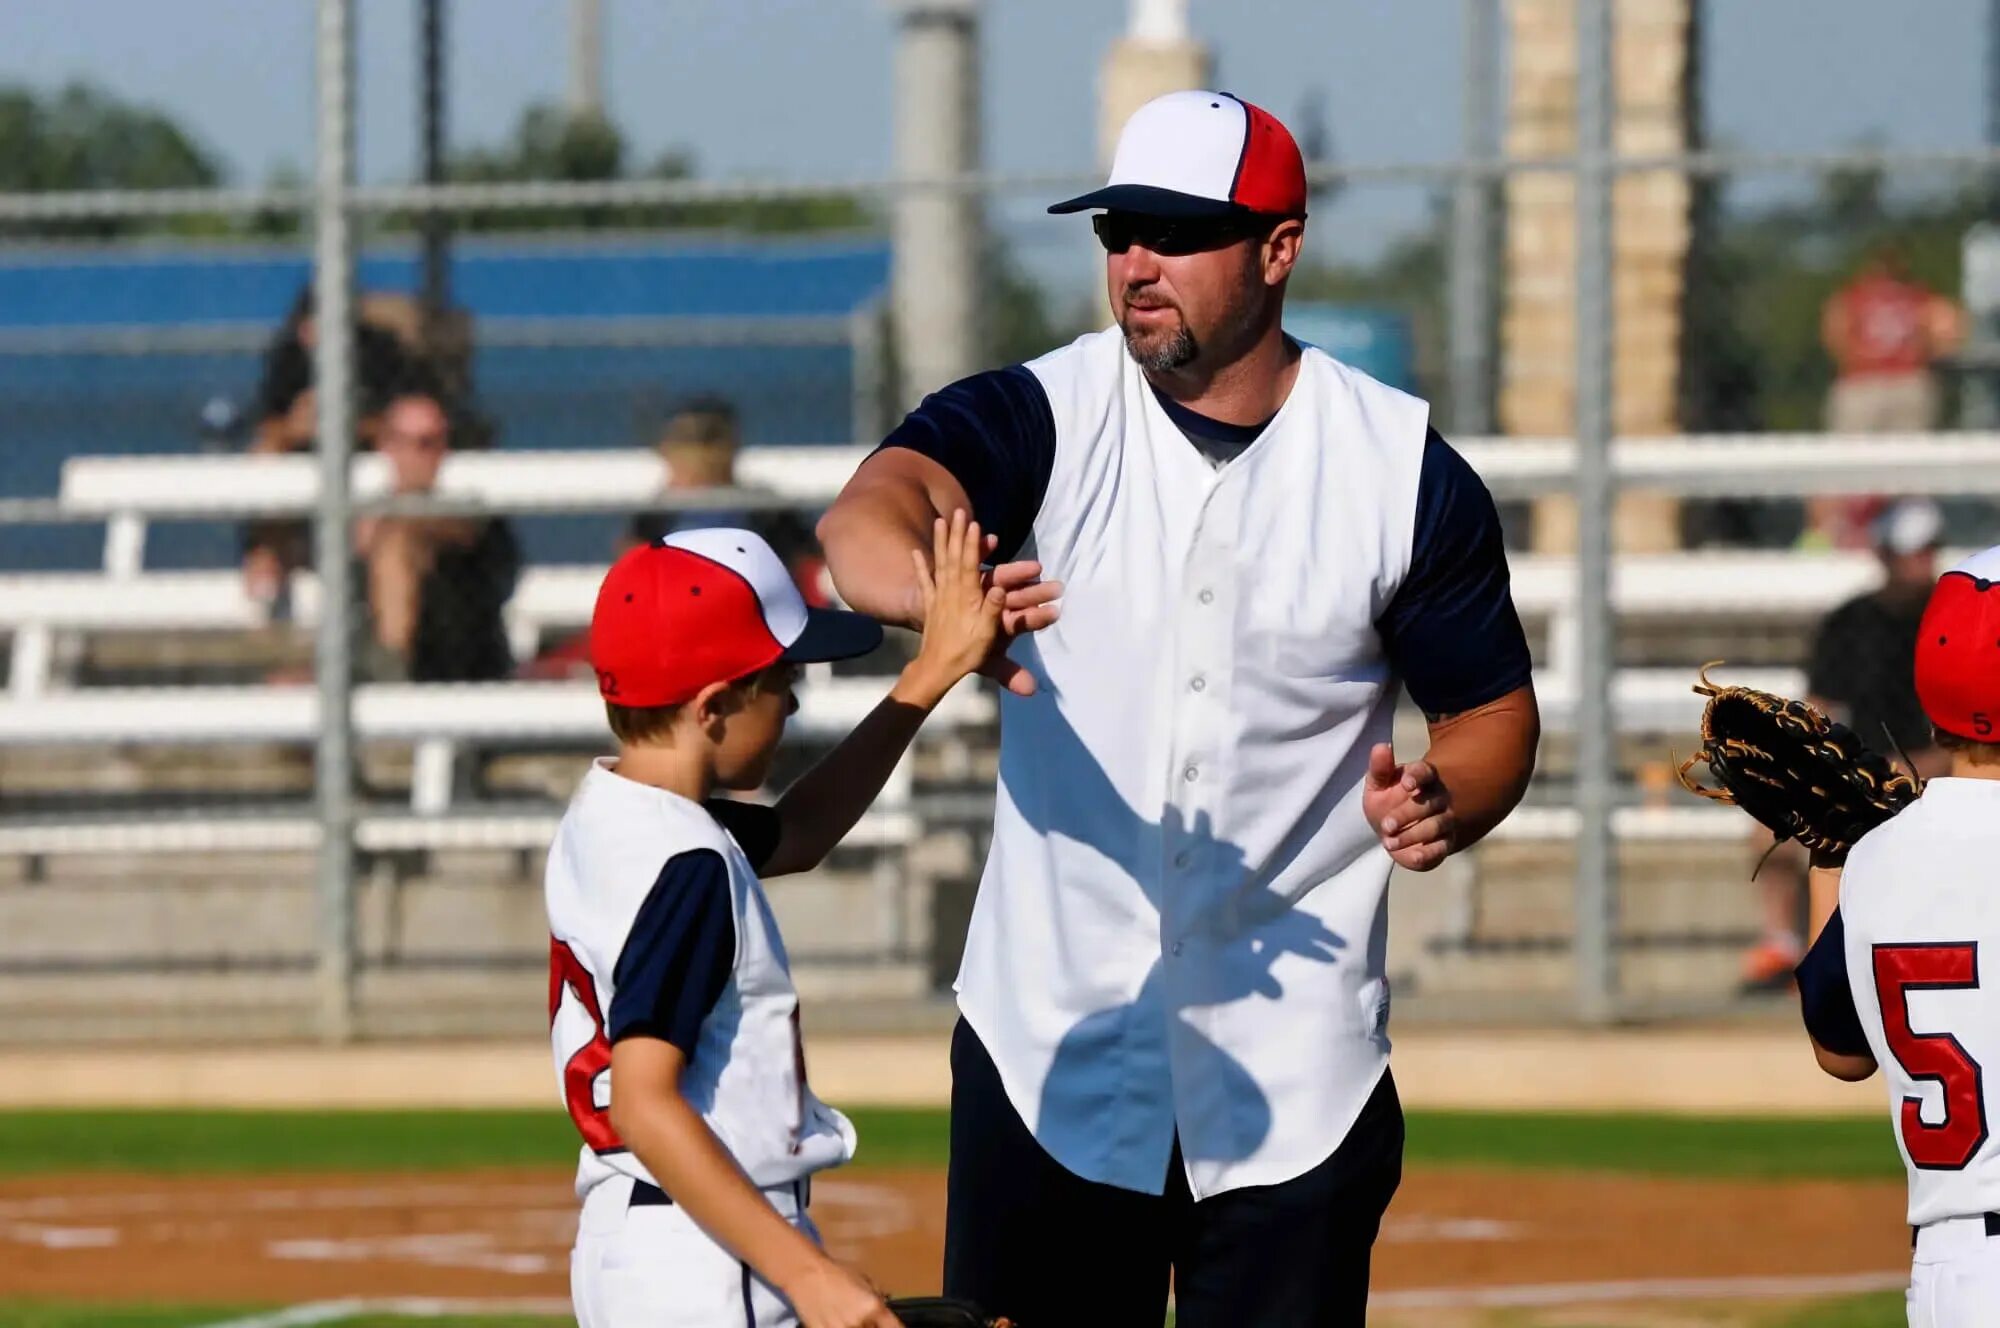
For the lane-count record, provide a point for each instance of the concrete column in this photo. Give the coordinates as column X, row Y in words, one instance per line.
column 1651, row 238
column 937, row 234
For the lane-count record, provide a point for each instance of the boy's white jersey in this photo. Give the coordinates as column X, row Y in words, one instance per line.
column 746, row 1072
column 1920, row 898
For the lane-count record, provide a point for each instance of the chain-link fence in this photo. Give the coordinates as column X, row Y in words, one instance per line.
column 1787, row 350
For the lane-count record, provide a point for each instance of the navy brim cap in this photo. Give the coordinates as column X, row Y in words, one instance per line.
column 1152, row 201
column 832, row 634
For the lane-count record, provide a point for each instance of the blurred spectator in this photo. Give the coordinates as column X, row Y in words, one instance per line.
column 1862, row 674
column 435, row 586
column 1883, row 331
column 698, row 445
column 285, row 420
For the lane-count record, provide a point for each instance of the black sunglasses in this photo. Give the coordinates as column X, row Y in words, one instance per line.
column 1175, row 236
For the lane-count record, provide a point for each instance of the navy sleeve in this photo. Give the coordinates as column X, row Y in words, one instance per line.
column 1451, row 631
column 678, row 955
column 996, row 434
column 1826, row 1000
column 753, row 826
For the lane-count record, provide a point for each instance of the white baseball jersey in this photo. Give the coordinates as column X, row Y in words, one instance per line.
column 659, row 926
column 1180, row 929
column 1921, row 914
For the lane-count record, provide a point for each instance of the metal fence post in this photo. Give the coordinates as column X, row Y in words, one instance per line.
column 1596, row 766
column 333, row 374
column 1471, row 277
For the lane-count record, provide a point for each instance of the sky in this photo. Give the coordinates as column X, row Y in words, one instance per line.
column 801, row 88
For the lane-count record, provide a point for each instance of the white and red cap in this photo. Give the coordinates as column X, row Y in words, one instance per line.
column 1201, row 154
column 1958, row 650
column 708, row 606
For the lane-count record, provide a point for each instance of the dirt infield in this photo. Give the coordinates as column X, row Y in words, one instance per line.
column 506, row 1234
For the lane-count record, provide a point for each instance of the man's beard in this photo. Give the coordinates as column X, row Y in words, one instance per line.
column 1175, row 352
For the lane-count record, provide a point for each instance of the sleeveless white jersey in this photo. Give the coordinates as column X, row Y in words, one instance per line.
column 747, row 1073
column 1181, row 923
column 1920, row 898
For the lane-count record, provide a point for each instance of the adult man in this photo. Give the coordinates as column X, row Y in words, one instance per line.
column 1173, row 1052
column 435, row 585
column 1861, row 673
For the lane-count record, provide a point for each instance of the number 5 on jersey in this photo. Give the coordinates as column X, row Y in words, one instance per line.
column 1952, row 1142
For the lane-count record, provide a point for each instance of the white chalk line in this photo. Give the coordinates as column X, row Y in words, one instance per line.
column 1665, row 1288
column 403, row 1307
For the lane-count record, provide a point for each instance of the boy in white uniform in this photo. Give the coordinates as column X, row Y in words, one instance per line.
column 1897, row 977
column 672, row 1013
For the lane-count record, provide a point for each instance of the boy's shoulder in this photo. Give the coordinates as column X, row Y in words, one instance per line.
column 614, row 814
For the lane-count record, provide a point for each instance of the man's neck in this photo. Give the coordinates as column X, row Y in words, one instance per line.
column 1248, row 389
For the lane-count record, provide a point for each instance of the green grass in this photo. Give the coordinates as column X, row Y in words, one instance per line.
column 249, row 1142
column 1884, row 1309
column 193, row 1142
column 1844, row 1147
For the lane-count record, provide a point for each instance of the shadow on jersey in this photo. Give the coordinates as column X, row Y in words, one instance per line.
column 1239, row 935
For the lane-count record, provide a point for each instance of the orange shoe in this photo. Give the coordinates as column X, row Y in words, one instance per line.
column 1768, row 965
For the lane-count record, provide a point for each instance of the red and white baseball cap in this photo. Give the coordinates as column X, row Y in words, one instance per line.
column 1958, row 650
column 707, row 606
column 1201, row 154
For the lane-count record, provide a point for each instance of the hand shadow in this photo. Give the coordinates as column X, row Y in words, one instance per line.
column 1225, row 948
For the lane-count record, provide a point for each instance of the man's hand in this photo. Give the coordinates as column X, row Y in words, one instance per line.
column 1030, row 607
column 1409, row 808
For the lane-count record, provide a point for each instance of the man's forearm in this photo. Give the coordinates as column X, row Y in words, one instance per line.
column 868, row 538
column 1485, row 758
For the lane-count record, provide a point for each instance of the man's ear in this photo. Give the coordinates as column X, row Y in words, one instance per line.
column 1281, row 250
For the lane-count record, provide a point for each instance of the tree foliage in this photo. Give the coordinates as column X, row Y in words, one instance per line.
column 79, row 138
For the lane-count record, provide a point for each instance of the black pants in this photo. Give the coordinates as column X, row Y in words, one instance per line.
column 1029, row 1239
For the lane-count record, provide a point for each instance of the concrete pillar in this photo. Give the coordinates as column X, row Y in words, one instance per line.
column 1651, row 236
column 937, row 234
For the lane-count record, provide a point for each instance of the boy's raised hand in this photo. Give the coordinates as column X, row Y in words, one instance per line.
column 961, row 612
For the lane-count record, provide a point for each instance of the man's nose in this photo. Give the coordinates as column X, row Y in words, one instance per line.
column 1139, row 266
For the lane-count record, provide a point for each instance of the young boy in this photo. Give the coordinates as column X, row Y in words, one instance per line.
column 1895, row 978
column 672, row 1012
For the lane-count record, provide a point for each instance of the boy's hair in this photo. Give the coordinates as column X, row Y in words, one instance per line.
column 651, row 724
column 633, row 725
column 1974, row 751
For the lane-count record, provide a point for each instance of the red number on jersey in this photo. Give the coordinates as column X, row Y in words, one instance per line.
column 592, row 1059
column 1900, row 969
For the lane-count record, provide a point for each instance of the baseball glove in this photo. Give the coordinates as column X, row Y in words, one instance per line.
column 1802, row 775
column 942, row 1312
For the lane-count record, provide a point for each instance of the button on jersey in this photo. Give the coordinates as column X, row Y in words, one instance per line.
column 1922, row 929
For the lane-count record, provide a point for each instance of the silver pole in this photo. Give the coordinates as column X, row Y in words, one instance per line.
column 1471, row 292
column 586, row 59
column 935, row 235
column 333, row 374
column 436, row 226
column 1596, row 859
